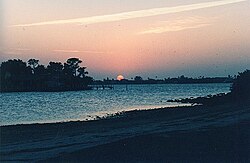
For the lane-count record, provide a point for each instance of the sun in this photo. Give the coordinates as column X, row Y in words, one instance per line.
column 120, row 77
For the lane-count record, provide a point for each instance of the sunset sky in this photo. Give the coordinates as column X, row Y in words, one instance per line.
column 131, row 37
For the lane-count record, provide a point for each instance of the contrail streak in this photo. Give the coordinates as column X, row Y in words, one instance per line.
column 133, row 14
column 179, row 25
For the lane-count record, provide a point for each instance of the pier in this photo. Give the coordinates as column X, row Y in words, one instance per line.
column 103, row 87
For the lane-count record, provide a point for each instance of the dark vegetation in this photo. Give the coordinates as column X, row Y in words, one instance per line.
column 178, row 80
column 241, row 85
column 240, row 92
column 19, row 76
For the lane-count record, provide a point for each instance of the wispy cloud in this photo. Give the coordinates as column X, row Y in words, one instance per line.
column 179, row 25
column 14, row 50
column 133, row 14
column 79, row 51
column 22, row 49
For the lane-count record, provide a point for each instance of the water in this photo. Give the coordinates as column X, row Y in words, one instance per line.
column 45, row 107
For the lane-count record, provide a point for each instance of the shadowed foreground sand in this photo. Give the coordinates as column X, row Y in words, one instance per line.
column 225, row 144
column 194, row 134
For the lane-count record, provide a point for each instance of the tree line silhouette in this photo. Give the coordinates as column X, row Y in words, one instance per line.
column 19, row 76
column 177, row 80
column 239, row 92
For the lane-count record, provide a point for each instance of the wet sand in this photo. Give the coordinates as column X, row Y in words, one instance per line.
column 193, row 134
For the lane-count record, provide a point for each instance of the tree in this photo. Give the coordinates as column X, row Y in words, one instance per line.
column 82, row 72
column 40, row 70
column 55, row 67
column 138, row 79
column 14, row 67
column 241, row 85
column 73, row 65
column 14, row 73
column 66, row 70
column 33, row 63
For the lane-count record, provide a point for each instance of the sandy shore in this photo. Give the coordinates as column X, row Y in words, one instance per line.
column 224, row 144
column 199, row 133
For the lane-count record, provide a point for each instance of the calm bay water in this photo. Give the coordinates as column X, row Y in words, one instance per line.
column 45, row 107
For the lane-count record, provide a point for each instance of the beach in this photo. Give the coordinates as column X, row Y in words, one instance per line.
column 190, row 133
column 124, row 81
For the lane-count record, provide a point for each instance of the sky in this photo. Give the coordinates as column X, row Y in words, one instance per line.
column 150, row 38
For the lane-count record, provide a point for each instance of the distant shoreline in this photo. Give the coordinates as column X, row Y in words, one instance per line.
column 19, row 76
column 179, row 80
